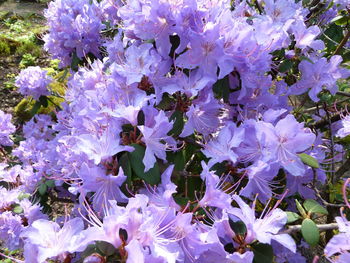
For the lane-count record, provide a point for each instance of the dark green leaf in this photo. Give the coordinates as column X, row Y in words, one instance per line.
column 42, row 189
column 313, row 207
column 50, row 183
column 43, row 100
column 179, row 160
column 35, row 108
column 263, row 253
column 238, row 227
column 153, row 175
column 106, row 248
column 307, row 59
column 126, row 166
column 75, row 62
column 310, row 232
column 178, row 123
column 309, row 160
column 292, row 217
column 221, row 88
column 285, row 66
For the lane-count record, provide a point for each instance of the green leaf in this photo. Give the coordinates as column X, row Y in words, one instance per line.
column 179, row 161
column 310, row 232
column 42, row 189
column 286, row 65
column 43, row 101
column 17, row 209
column 300, row 208
column 292, row 217
column 35, row 108
column 309, row 160
column 75, row 62
column 307, row 59
column 222, row 89
column 178, row 123
column 263, row 253
column 23, row 196
column 50, row 183
column 152, row 176
column 106, row 248
column 126, row 166
column 313, row 207
column 341, row 20
column 238, row 227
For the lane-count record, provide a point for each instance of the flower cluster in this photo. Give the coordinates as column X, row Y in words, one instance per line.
column 33, row 81
column 176, row 141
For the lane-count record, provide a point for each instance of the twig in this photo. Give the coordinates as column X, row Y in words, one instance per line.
column 318, row 194
column 322, row 123
column 297, row 228
column 342, row 43
column 342, row 93
column 342, row 170
column 332, row 171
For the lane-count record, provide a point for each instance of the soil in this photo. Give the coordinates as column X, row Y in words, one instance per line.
column 9, row 65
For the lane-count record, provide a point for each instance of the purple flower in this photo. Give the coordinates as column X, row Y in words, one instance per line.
column 52, row 241
column 345, row 130
column 205, row 52
column 106, row 187
column 6, row 128
column 154, row 135
column 203, row 115
column 102, row 146
column 139, row 61
column 319, row 74
column 340, row 243
column 221, row 148
column 33, row 81
column 162, row 196
column 74, row 27
column 265, row 228
column 10, row 229
column 292, row 138
column 214, row 194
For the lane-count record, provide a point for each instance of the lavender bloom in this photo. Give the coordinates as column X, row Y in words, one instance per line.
column 106, row 187
column 203, row 116
column 340, row 243
column 265, row 228
column 345, row 130
column 162, row 196
column 292, row 138
column 6, row 128
column 74, row 27
column 10, row 229
column 52, row 241
column 206, row 51
column 320, row 74
column 221, row 148
column 33, row 81
column 140, row 60
column 102, row 147
column 214, row 196
column 153, row 136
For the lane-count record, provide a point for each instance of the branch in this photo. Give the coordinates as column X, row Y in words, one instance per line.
column 342, row 170
column 332, row 119
column 342, row 43
column 342, row 93
column 297, row 228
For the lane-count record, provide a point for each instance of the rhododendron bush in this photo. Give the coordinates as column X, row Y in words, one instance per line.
column 188, row 131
